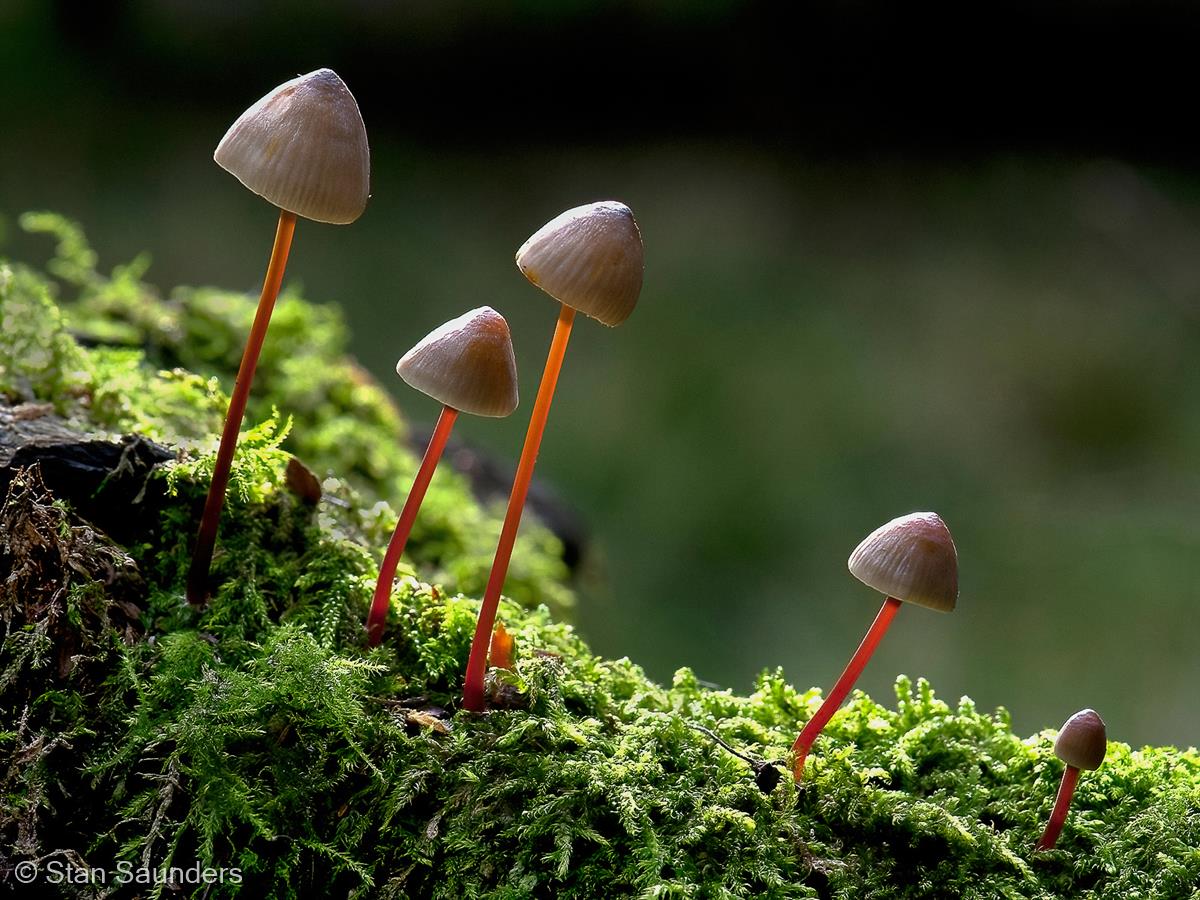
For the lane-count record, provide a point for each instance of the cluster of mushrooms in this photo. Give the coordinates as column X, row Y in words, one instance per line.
column 303, row 147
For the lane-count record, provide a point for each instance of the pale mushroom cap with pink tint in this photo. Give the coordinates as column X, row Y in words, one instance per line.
column 467, row 364
column 1082, row 741
column 911, row 558
column 590, row 258
column 304, row 148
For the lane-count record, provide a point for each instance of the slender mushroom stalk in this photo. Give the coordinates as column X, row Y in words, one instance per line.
column 468, row 365
column 590, row 259
column 910, row 559
column 1081, row 744
column 303, row 147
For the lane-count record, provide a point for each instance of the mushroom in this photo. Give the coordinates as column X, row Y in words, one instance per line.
column 590, row 259
column 468, row 365
column 911, row 560
column 500, row 654
column 1081, row 744
column 302, row 147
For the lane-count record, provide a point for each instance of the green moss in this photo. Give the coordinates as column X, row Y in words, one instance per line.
column 37, row 358
column 163, row 369
column 260, row 733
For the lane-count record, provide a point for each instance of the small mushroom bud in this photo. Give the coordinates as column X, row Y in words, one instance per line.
column 589, row 259
column 500, row 654
column 1081, row 744
column 467, row 364
column 910, row 559
column 303, row 147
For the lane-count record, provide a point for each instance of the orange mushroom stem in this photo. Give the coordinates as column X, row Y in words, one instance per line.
column 473, row 688
column 833, row 700
column 408, row 515
column 206, row 538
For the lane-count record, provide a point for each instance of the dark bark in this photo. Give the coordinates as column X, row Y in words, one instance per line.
column 103, row 480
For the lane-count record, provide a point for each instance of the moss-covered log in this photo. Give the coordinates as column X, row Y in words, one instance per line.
column 258, row 735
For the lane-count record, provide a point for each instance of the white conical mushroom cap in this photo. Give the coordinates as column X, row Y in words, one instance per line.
column 589, row 258
column 911, row 558
column 304, row 148
column 1083, row 740
column 467, row 364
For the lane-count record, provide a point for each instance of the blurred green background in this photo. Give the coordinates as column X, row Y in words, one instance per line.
column 885, row 272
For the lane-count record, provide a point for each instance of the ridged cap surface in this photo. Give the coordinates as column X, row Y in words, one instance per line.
column 911, row 558
column 467, row 364
column 590, row 258
column 304, row 148
column 1082, row 741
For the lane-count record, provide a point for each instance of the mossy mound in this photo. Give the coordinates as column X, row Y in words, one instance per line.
column 259, row 735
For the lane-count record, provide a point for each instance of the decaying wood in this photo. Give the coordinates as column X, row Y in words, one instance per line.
column 103, row 479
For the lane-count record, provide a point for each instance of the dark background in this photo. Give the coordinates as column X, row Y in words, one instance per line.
column 899, row 257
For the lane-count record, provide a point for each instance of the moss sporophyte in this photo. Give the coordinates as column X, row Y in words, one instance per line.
column 257, row 732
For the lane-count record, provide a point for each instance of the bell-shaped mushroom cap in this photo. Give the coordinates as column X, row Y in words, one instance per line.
column 1083, row 741
column 467, row 364
column 589, row 258
column 911, row 558
column 304, row 148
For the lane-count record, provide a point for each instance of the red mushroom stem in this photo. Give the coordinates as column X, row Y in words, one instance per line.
column 473, row 698
column 408, row 515
column 1062, row 804
column 206, row 539
column 834, row 698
